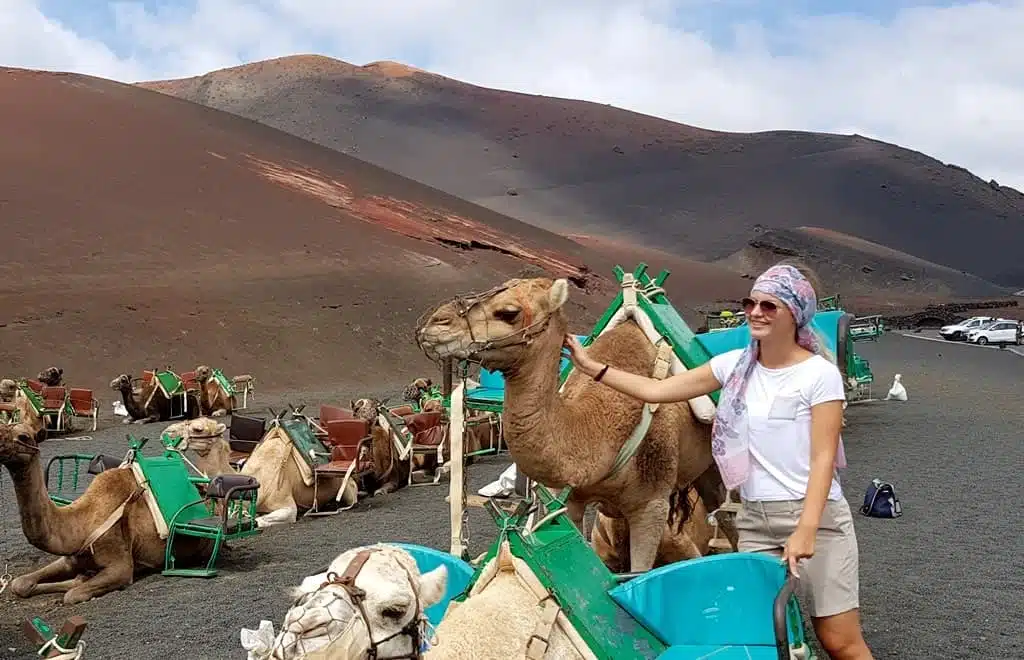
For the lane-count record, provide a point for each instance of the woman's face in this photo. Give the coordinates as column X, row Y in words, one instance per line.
column 768, row 317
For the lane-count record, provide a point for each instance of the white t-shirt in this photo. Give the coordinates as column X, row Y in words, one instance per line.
column 779, row 423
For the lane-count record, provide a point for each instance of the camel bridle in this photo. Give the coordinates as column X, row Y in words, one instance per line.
column 412, row 630
column 465, row 303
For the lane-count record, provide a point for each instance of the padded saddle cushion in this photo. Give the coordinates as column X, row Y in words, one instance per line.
column 221, row 484
column 426, row 429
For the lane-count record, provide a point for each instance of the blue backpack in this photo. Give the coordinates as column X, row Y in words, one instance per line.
column 880, row 501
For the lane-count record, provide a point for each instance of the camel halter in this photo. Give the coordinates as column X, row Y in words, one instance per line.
column 464, row 303
column 412, row 630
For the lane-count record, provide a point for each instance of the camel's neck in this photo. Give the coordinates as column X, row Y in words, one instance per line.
column 536, row 422
column 215, row 461
column 130, row 403
column 40, row 517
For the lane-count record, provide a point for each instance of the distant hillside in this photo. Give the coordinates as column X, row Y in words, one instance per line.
column 585, row 168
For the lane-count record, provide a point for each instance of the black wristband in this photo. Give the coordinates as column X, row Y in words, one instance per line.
column 600, row 374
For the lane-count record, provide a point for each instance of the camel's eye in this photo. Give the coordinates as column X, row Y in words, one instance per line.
column 507, row 315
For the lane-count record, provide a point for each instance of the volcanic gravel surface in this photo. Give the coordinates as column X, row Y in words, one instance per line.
column 942, row 581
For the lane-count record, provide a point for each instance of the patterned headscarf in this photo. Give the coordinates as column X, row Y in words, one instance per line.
column 729, row 442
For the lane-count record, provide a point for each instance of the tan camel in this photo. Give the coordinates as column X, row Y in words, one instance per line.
column 287, row 485
column 213, row 400
column 27, row 415
column 145, row 406
column 572, row 438
column 88, row 567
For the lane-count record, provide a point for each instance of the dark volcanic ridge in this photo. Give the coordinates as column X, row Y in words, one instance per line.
column 585, row 168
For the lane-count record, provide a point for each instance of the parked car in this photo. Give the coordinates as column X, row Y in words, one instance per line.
column 1001, row 331
column 958, row 331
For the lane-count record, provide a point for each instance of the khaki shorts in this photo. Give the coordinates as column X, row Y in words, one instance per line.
column 829, row 582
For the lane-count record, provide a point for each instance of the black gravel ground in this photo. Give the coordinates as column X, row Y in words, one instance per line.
column 943, row 581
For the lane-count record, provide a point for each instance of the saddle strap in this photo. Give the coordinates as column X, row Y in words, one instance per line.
column 111, row 520
column 539, row 640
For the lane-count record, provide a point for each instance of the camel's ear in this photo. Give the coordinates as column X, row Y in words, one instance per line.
column 558, row 294
column 433, row 584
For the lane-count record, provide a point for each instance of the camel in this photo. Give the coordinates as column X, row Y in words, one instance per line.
column 16, row 405
column 390, row 473
column 52, row 376
column 286, row 483
column 8, row 388
column 158, row 408
column 88, row 567
column 327, row 623
column 572, row 438
column 213, row 400
column 679, row 542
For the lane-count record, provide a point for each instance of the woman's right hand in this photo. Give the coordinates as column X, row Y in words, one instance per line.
column 579, row 356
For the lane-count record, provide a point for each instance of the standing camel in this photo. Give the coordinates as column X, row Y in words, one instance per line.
column 572, row 438
column 88, row 567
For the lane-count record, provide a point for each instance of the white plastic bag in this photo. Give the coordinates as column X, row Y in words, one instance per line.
column 897, row 392
column 258, row 642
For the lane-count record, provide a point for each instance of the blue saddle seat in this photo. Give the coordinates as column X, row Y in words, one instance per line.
column 720, row 606
column 459, row 574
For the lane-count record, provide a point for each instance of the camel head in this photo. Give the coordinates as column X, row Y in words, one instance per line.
column 364, row 408
column 52, row 376
column 203, row 373
column 414, row 390
column 387, row 597
column 121, row 383
column 200, row 434
column 8, row 388
column 18, row 445
column 495, row 327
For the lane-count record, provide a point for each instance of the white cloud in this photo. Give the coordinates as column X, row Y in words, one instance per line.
column 946, row 81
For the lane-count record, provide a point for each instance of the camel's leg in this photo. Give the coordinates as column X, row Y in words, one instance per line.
column 646, row 526
column 219, row 412
column 112, row 554
column 575, row 509
column 43, row 580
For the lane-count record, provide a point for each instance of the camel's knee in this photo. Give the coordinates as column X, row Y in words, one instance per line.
column 23, row 586
column 220, row 412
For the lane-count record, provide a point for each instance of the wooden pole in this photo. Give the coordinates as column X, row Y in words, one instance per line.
column 456, row 492
column 446, row 377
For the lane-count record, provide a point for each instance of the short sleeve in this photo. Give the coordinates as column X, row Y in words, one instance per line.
column 828, row 386
column 723, row 364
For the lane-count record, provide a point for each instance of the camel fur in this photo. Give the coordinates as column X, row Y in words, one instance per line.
column 159, row 407
column 285, row 487
column 572, row 437
column 690, row 540
column 321, row 613
column 52, row 376
column 130, row 547
column 213, row 400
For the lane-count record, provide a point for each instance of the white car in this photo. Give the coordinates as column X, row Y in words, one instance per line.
column 959, row 331
column 1002, row 331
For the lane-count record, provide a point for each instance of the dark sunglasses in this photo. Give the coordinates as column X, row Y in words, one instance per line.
column 767, row 306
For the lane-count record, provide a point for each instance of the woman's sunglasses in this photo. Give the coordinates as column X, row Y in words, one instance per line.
column 767, row 306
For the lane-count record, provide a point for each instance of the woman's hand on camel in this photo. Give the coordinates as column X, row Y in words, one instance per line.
column 799, row 545
column 579, row 356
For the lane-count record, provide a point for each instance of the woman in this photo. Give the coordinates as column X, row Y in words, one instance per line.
column 776, row 438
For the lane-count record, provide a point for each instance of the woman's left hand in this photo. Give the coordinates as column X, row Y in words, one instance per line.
column 799, row 545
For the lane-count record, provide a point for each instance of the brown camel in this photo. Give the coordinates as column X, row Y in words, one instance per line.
column 52, row 376
column 149, row 404
column 572, row 438
column 285, row 487
column 87, row 567
column 21, row 410
column 213, row 400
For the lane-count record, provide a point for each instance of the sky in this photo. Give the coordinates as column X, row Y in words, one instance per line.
column 940, row 76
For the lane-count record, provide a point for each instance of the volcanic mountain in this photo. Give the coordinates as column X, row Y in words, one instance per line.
column 575, row 167
column 142, row 231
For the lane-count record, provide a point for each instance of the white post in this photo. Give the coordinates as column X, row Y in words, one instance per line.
column 456, row 428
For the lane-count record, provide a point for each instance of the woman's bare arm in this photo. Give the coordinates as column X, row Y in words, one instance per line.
column 826, row 422
column 681, row 387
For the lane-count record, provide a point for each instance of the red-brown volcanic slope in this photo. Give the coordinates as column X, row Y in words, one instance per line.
column 142, row 230
column 586, row 168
